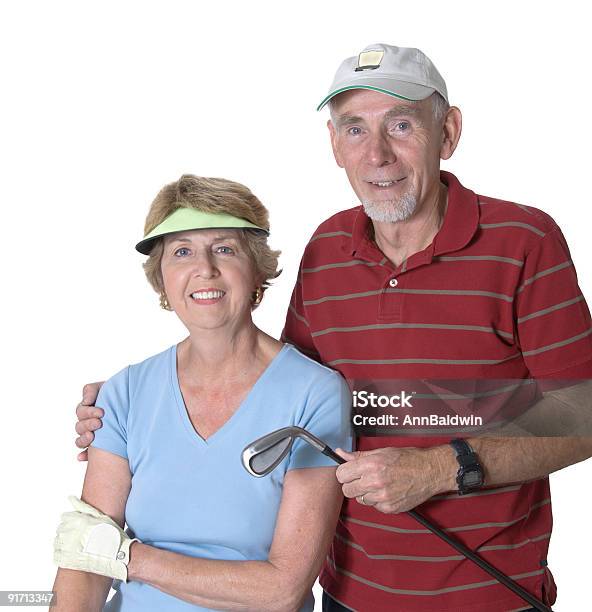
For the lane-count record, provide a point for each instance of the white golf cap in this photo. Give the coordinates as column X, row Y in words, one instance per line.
column 402, row 72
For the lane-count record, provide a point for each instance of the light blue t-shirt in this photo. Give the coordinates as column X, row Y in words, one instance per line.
column 193, row 496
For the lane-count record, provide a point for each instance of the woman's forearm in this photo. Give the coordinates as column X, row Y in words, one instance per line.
column 228, row 585
column 80, row 591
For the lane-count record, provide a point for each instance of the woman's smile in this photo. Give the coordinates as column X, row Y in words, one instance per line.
column 207, row 296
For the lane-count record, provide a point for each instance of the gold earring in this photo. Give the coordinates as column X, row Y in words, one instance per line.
column 257, row 296
column 164, row 301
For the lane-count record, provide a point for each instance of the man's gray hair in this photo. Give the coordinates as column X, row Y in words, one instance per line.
column 439, row 107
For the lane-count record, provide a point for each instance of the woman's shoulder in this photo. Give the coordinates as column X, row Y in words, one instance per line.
column 309, row 367
column 158, row 360
column 148, row 368
column 153, row 369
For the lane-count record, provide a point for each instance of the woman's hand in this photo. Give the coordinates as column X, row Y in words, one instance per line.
column 89, row 418
column 90, row 541
column 106, row 486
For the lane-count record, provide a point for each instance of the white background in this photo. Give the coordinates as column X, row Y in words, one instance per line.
column 105, row 102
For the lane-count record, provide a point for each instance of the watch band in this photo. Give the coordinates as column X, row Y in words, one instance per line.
column 461, row 447
column 470, row 474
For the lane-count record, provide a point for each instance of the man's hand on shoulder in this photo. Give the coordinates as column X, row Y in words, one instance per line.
column 89, row 418
column 395, row 480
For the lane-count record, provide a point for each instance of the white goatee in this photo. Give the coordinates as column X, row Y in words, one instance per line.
column 391, row 211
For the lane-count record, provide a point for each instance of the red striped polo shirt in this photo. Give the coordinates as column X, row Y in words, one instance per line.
column 495, row 296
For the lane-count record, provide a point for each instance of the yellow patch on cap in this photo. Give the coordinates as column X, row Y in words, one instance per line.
column 367, row 60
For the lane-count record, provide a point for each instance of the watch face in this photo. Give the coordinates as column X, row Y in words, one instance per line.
column 472, row 478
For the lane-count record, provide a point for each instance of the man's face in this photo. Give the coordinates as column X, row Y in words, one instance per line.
column 390, row 150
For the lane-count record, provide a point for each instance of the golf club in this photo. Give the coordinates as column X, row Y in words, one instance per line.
column 264, row 454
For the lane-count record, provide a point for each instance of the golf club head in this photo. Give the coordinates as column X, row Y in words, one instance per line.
column 263, row 455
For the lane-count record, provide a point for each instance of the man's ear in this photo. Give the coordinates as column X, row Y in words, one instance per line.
column 333, row 136
column 451, row 129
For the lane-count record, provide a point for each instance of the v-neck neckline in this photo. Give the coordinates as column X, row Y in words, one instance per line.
column 236, row 416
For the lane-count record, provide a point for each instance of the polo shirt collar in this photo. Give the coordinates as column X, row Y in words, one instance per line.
column 461, row 221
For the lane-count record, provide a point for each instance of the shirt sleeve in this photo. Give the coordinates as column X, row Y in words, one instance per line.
column 113, row 398
column 297, row 329
column 326, row 416
column 553, row 324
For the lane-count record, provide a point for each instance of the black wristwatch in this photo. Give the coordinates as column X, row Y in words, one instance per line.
column 470, row 474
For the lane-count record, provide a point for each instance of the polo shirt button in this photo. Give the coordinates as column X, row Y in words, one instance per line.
column 393, row 282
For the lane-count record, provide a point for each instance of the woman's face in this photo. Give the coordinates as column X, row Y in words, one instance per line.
column 209, row 278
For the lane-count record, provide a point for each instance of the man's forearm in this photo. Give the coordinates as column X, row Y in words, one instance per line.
column 228, row 585
column 554, row 433
column 80, row 591
column 514, row 459
column 510, row 460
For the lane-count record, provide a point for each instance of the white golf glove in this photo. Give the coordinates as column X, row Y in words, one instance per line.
column 91, row 541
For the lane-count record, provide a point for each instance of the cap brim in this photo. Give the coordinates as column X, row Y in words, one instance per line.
column 189, row 219
column 145, row 246
column 397, row 89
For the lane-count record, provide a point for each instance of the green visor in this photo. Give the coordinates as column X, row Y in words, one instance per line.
column 186, row 219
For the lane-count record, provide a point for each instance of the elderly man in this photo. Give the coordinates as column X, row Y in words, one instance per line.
column 428, row 280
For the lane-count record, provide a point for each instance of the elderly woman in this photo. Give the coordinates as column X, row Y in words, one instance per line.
column 201, row 532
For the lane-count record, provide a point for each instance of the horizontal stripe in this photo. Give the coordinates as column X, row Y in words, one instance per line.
column 477, row 493
column 463, row 587
column 397, row 557
column 542, row 273
column 437, row 559
column 476, row 395
column 329, row 235
column 355, row 328
column 545, row 311
column 343, row 264
column 418, row 360
column 481, row 203
column 414, row 430
column 555, row 345
column 515, row 262
column 499, row 296
column 298, row 316
column 545, row 536
column 347, row 296
column 352, row 296
column 527, row 226
column 460, row 528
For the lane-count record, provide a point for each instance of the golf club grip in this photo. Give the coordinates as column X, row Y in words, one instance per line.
column 329, row 452
column 484, row 565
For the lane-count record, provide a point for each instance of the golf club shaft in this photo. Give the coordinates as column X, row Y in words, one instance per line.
column 461, row 548
column 484, row 565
